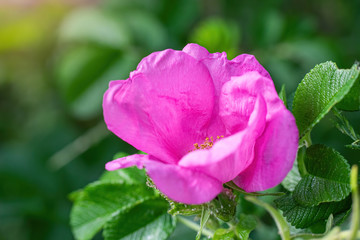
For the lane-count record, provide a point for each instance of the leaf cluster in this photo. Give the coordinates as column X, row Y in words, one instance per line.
column 122, row 206
column 319, row 183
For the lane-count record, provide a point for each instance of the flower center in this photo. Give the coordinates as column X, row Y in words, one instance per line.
column 209, row 142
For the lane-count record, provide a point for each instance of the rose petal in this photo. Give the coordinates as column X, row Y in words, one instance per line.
column 275, row 152
column 165, row 106
column 196, row 51
column 236, row 105
column 137, row 160
column 253, row 83
column 178, row 183
column 221, row 70
column 182, row 184
column 231, row 155
column 247, row 63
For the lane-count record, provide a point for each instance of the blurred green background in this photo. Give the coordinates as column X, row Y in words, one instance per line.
column 57, row 57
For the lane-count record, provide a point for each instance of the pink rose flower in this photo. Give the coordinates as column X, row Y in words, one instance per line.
column 203, row 120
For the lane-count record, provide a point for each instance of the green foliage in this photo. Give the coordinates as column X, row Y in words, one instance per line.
column 327, row 177
column 302, row 216
column 344, row 126
column 224, row 206
column 148, row 220
column 130, row 176
column 120, row 198
column 293, row 177
column 276, row 215
column 246, row 224
column 204, row 217
column 224, row 234
column 184, row 209
column 351, row 101
column 322, row 190
column 323, row 87
column 282, row 94
column 100, row 201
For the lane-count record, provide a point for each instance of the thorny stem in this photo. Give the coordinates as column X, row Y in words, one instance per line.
column 194, row 226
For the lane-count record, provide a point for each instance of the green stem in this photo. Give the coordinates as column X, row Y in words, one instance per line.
column 276, row 215
column 307, row 235
column 316, row 235
column 346, row 234
column 336, row 234
column 356, row 203
column 205, row 214
column 194, row 226
column 301, row 161
column 307, row 139
column 232, row 185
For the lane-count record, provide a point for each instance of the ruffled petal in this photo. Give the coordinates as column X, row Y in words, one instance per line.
column 253, row 83
column 196, row 51
column 164, row 107
column 182, row 184
column 137, row 160
column 178, row 183
column 275, row 152
column 238, row 97
column 231, row 155
column 245, row 63
column 221, row 70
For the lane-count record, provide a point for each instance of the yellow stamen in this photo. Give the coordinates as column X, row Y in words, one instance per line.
column 209, row 143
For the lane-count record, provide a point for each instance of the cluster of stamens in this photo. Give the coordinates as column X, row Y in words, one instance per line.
column 209, row 142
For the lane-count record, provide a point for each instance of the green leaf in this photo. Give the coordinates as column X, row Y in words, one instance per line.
column 293, row 178
column 323, row 87
column 302, row 216
column 329, row 224
column 131, row 175
column 73, row 196
column 246, row 224
column 327, row 178
column 205, row 215
column 183, row 209
column 224, row 234
column 224, row 205
column 282, row 94
column 340, row 218
column 100, row 201
column 351, row 101
column 148, row 220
